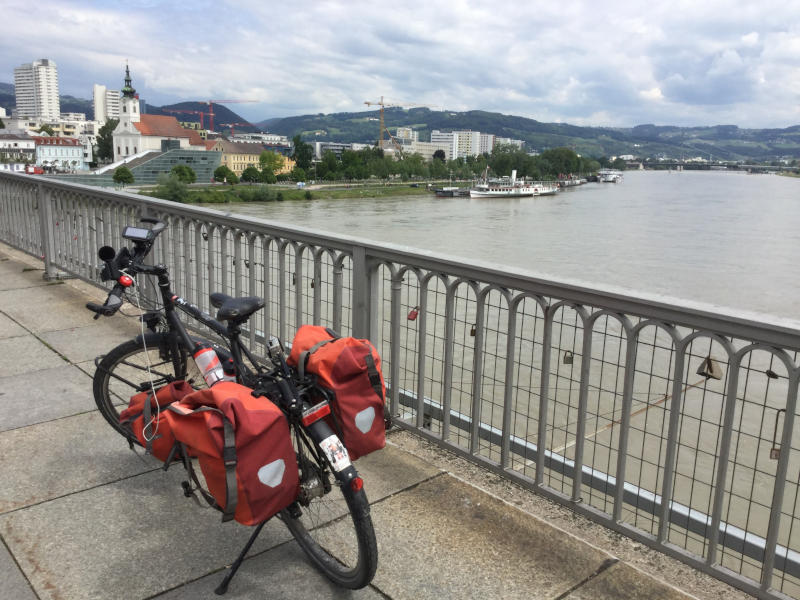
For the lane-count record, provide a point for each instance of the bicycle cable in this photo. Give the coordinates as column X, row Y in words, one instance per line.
column 153, row 419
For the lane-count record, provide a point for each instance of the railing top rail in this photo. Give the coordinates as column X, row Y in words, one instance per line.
column 765, row 329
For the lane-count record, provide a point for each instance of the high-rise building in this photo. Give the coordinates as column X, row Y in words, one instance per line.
column 106, row 103
column 36, row 89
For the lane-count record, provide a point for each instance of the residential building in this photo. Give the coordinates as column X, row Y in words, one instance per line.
column 17, row 148
column 60, row 153
column 237, row 156
column 137, row 133
column 428, row 149
column 106, row 103
column 509, row 142
column 261, row 138
column 407, row 133
column 36, row 90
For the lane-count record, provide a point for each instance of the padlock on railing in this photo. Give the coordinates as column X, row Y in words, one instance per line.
column 775, row 451
column 412, row 314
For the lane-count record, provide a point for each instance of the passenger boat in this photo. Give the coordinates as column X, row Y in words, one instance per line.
column 609, row 176
column 511, row 189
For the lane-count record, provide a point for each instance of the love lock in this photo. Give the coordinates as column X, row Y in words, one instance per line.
column 775, row 451
column 412, row 314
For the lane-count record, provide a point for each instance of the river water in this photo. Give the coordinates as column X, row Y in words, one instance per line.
column 697, row 238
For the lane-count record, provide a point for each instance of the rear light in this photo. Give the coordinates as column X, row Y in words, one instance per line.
column 357, row 484
column 125, row 280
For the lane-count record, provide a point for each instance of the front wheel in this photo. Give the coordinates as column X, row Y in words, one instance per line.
column 331, row 523
column 133, row 367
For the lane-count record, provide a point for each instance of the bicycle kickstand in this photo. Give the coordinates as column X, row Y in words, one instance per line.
column 223, row 587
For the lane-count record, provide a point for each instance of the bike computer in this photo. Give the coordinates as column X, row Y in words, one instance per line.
column 137, row 234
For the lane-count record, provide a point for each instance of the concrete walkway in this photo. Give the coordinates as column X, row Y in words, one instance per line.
column 81, row 516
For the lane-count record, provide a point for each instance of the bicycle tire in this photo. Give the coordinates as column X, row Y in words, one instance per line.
column 123, row 372
column 339, row 540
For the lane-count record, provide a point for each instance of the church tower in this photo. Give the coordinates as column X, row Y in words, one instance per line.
column 127, row 138
column 130, row 102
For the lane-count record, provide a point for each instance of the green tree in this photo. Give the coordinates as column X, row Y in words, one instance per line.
column 123, row 175
column 46, row 129
column 224, row 174
column 439, row 155
column 184, row 173
column 267, row 177
column 105, row 141
column 251, row 174
column 171, row 187
column 298, row 174
column 303, row 153
column 270, row 161
column 2, row 125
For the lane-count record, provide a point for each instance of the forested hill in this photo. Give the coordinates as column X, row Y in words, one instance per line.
column 726, row 142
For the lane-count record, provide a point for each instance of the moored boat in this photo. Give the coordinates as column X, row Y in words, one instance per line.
column 609, row 176
column 512, row 188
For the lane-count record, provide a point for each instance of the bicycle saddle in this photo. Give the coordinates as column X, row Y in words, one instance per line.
column 235, row 309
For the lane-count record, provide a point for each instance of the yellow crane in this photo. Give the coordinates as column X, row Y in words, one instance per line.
column 383, row 105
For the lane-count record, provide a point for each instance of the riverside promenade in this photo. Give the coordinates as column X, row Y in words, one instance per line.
column 82, row 516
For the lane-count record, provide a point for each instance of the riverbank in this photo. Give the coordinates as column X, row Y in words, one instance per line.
column 224, row 194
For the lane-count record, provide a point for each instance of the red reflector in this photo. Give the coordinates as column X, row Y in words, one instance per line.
column 126, row 280
column 315, row 413
column 357, row 484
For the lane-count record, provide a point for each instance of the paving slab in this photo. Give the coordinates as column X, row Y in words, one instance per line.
column 127, row 540
column 61, row 457
column 81, row 344
column 623, row 582
column 18, row 275
column 447, row 539
column 9, row 328
column 282, row 573
column 48, row 394
column 13, row 584
column 48, row 308
column 26, row 354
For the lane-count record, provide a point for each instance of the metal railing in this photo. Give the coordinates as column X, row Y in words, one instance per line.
column 673, row 426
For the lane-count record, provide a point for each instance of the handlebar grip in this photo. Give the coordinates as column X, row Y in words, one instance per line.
column 112, row 303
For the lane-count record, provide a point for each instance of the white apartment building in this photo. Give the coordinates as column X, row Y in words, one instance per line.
column 106, row 103
column 407, row 133
column 36, row 90
column 509, row 141
column 463, row 143
column 428, row 149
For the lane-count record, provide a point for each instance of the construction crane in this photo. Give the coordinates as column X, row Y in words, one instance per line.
column 383, row 105
column 231, row 125
column 211, row 108
column 187, row 112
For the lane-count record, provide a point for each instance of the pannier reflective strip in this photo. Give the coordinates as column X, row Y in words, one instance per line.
column 272, row 474
column 316, row 412
column 364, row 419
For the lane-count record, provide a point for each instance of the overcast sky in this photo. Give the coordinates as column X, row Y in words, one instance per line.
column 621, row 63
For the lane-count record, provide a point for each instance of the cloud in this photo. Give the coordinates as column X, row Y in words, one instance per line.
column 680, row 63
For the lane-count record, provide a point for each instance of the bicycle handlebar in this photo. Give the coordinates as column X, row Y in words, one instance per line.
column 116, row 262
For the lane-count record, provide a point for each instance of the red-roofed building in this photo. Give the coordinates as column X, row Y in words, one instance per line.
column 142, row 133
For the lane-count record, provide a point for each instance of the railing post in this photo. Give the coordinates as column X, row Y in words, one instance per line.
column 363, row 290
column 46, row 231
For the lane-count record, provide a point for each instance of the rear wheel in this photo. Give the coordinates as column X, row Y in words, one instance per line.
column 331, row 522
column 133, row 367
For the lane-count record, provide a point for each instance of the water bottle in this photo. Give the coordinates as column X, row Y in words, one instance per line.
column 209, row 364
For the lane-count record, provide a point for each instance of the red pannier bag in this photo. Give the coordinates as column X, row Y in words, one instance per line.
column 351, row 369
column 244, row 449
column 146, row 421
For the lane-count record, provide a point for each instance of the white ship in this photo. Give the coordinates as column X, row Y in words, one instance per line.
column 609, row 176
column 512, row 188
